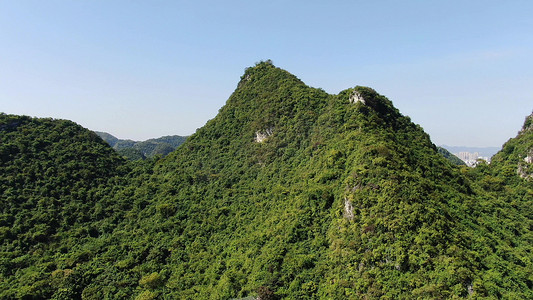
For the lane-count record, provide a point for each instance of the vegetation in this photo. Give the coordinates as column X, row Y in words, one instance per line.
column 53, row 175
column 288, row 192
column 133, row 150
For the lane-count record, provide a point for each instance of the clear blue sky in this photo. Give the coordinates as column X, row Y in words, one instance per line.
column 463, row 70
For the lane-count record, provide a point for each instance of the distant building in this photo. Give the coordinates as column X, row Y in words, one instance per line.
column 471, row 159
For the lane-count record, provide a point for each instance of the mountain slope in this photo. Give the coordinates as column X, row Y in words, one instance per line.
column 506, row 213
column 517, row 154
column 52, row 175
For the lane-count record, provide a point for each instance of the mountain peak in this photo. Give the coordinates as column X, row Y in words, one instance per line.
column 265, row 72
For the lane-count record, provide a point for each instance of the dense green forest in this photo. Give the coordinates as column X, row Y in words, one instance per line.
column 289, row 192
column 133, row 150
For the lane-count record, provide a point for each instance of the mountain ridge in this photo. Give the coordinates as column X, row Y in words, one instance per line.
column 135, row 150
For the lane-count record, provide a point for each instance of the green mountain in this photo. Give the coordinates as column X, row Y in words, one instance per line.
column 289, row 192
column 133, row 150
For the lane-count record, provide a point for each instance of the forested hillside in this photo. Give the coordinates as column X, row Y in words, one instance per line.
column 289, row 192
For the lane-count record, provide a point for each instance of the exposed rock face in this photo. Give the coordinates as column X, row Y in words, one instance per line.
column 261, row 136
column 356, row 97
column 470, row 289
column 529, row 159
column 525, row 168
column 348, row 209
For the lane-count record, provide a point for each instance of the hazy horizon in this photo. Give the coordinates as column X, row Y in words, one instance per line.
column 141, row 70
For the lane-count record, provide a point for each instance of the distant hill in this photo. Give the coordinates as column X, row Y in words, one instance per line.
column 134, row 150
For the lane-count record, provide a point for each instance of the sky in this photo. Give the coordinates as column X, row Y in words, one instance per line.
column 463, row 70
